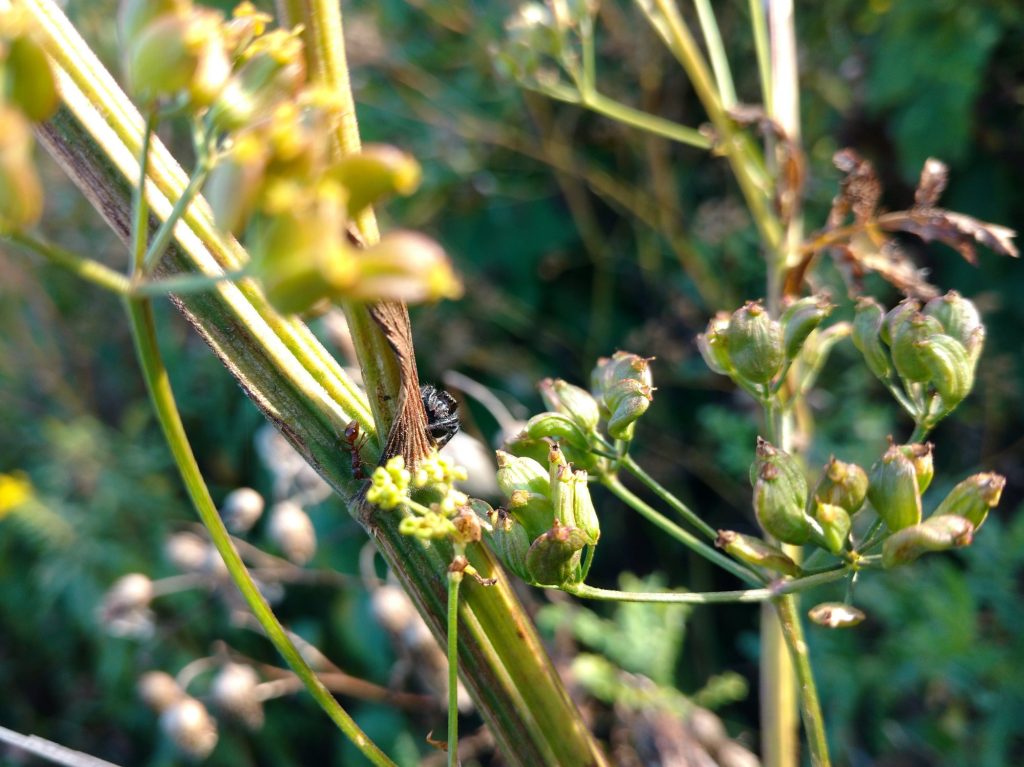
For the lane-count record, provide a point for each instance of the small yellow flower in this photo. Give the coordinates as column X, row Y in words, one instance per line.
column 15, row 489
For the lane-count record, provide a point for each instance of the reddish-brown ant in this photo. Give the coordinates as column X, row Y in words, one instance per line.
column 355, row 440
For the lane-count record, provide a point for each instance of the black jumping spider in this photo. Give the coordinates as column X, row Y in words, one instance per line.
column 442, row 414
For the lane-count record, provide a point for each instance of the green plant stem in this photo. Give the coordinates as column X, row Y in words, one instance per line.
column 716, row 50
column 687, row 539
column 158, row 384
column 760, row 29
column 789, row 618
column 627, row 115
column 921, row 430
column 738, row 148
column 681, row 508
column 89, row 270
column 454, row 579
column 163, row 235
column 707, row 598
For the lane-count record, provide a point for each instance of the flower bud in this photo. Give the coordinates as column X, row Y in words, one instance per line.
column 235, row 182
column 934, row 534
column 241, row 510
column 133, row 16
column 959, row 316
column 377, row 171
column 755, row 551
column 906, row 347
column 404, row 266
column 893, row 490
column 920, row 455
column 573, row 401
column 973, row 497
column 842, row 484
column 714, row 345
column 510, row 542
column 515, row 473
column 557, row 426
column 554, row 558
column 272, row 71
column 291, row 530
column 175, row 53
column 835, row 615
column 895, row 317
column 835, row 525
column 867, row 325
column 28, row 82
column 158, row 690
column 21, row 194
column 950, row 368
column 233, row 691
column 780, row 495
column 755, row 343
column 799, row 319
column 189, row 726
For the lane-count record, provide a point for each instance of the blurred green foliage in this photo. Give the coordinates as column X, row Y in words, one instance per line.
column 570, row 231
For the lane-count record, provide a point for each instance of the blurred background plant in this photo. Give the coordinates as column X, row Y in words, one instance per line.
column 575, row 235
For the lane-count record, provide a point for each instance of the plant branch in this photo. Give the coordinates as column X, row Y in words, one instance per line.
column 86, row 268
column 681, row 508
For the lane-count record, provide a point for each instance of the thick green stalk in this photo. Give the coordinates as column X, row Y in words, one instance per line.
column 96, row 137
column 158, row 383
column 787, row 609
column 687, row 539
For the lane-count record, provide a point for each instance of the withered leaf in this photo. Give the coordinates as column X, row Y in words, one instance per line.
column 957, row 230
column 876, row 253
column 860, row 188
column 934, row 175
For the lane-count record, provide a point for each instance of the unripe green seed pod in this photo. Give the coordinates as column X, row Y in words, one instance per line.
column 516, row 473
column 377, row 171
column 714, row 346
column 835, row 615
column 583, row 511
column 959, row 316
column 627, row 400
column 571, row 500
column 776, row 507
column 799, row 319
column 896, row 316
column 906, row 352
column 557, row 426
column 950, row 369
column 893, row 490
column 842, row 484
column 510, row 541
column 135, row 15
column 235, row 182
column 867, row 325
column 755, row 343
column 920, row 455
column 619, row 367
column 554, row 558
column 973, row 498
column 28, row 79
column 573, row 401
column 21, row 193
column 533, row 511
column 835, row 525
column 766, row 453
column 755, row 551
column 176, row 53
column 934, row 534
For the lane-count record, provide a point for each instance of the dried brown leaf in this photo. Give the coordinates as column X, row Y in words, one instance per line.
column 861, row 188
column 957, row 230
column 876, row 253
column 934, row 176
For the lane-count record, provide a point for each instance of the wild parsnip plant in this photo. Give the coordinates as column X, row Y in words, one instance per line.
column 278, row 163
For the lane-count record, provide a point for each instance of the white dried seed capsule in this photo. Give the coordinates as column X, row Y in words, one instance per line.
column 233, row 691
column 392, row 608
column 242, row 509
column 158, row 690
column 190, row 728
column 187, row 552
column 128, row 593
column 292, row 531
